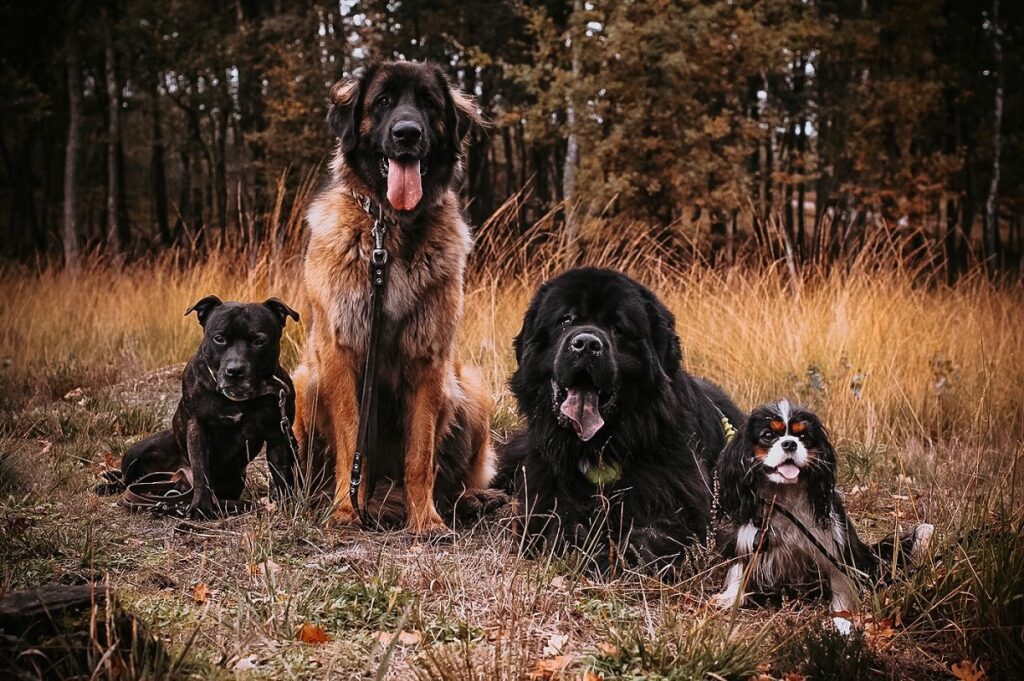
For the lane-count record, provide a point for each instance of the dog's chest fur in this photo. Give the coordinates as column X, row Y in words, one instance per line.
column 791, row 558
column 424, row 297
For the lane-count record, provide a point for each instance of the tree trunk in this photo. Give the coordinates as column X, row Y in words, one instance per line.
column 158, row 171
column 115, row 233
column 572, row 144
column 70, row 235
column 991, row 206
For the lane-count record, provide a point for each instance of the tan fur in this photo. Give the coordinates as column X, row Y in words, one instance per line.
column 425, row 292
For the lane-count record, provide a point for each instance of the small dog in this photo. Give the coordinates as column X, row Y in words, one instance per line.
column 229, row 407
column 778, row 474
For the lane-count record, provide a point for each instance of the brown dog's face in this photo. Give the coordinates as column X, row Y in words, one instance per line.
column 401, row 128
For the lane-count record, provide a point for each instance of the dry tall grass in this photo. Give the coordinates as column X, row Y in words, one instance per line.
column 922, row 385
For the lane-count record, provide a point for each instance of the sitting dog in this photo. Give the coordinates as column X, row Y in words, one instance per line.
column 229, row 407
column 784, row 518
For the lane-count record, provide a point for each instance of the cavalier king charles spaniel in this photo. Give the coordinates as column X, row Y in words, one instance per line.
column 782, row 520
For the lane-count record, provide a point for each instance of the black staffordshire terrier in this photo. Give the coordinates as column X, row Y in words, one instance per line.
column 229, row 407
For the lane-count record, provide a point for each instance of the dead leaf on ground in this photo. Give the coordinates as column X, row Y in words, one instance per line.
column 110, row 462
column 555, row 645
column 266, row 567
column 591, row 675
column 201, row 593
column 968, row 671
column 245, row 664
column 405, row 638
column 312, row 634
column 551, row 668
column 558, row 583
column 608, row 649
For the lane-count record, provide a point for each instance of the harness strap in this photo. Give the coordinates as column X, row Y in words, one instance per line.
column 851, row 572
column 378, row 272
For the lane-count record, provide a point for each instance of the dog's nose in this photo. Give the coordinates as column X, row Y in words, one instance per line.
column 406, row 132
column 236, row 370
column 586, row 343
column 789, row 446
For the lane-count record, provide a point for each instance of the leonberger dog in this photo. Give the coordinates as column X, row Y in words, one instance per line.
column 401, row 129
column 619, row 444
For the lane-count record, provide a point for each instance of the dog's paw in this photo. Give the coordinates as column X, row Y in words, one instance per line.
column 478, row 503
column 724, row 600
column 429, row 527
column 203, row 509
column 343, row 517
column 842, row 625
column 922, row 538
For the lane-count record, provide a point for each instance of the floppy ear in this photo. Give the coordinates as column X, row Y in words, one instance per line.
column 737, row 493
column 282, row 310
column 461, row 113
column 203, row 308
column 343, row 116
column 663, row 333
column 529, row 319
column 821, row 487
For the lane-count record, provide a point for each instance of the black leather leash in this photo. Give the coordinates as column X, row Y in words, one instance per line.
column 378, row 271
column 857, row 576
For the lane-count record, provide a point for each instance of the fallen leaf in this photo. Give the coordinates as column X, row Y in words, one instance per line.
column 608, row 649
column 110, row 462
column 968, row 671
column 201, row 593
column 556, row 642
column 592, row 676
column 558, row 583
column 312, row 634
column 550, row 668
column 409, row 638
column 74, row 394
column 267, row 567
column 245, row 664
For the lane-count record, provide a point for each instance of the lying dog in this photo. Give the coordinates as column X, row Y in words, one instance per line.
column 619, row 443
column 777, row 479
column 229, row 407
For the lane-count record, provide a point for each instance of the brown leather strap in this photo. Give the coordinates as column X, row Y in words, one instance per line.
column 161, row 492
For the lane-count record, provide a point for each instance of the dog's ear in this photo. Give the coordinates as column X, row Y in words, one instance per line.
column 821, row 484
column 667, row 347
column 343, row 116
column 529, row 320
column 461, row 112
column 736, row 490
column 203, row 308
column 281, row 310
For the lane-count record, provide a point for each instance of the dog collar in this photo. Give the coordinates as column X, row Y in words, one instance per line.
column 602, row 474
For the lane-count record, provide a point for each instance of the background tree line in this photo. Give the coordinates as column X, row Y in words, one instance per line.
column 799, row 126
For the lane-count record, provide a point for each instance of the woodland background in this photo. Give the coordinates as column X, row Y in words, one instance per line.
column 804, row 128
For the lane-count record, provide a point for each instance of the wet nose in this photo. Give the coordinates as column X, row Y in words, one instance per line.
column 406, row 132
column 586, row 343
column 237, row 370
column 789, row 446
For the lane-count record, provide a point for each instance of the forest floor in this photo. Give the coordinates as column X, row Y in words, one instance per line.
column 926, row 413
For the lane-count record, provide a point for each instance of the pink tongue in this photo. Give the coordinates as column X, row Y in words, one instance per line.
column 404, row 187
column 581, row 407
column 788, row 471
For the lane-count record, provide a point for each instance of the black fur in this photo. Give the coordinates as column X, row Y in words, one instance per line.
column 229, row 406
column 661, row 427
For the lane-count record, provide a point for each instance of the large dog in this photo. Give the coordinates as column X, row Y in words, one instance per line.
column 230, row 392
column 401, row 128
column 619, row 442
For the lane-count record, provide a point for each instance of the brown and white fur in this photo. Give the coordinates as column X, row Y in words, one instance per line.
column 433, row 419
column 782, row 458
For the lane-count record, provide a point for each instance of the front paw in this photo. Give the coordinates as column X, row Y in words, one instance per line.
column 478, row 503
column 429, row 526
column 203, row 507
column 725, row 600
column 343, row 516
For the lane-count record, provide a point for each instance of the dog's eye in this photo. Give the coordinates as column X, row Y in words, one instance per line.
column 259, row 341
column 766, row 435
column 567, row 319
column 383, row 101
column 219, row 339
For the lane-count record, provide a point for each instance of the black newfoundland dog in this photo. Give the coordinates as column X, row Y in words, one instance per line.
column 620, row 441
